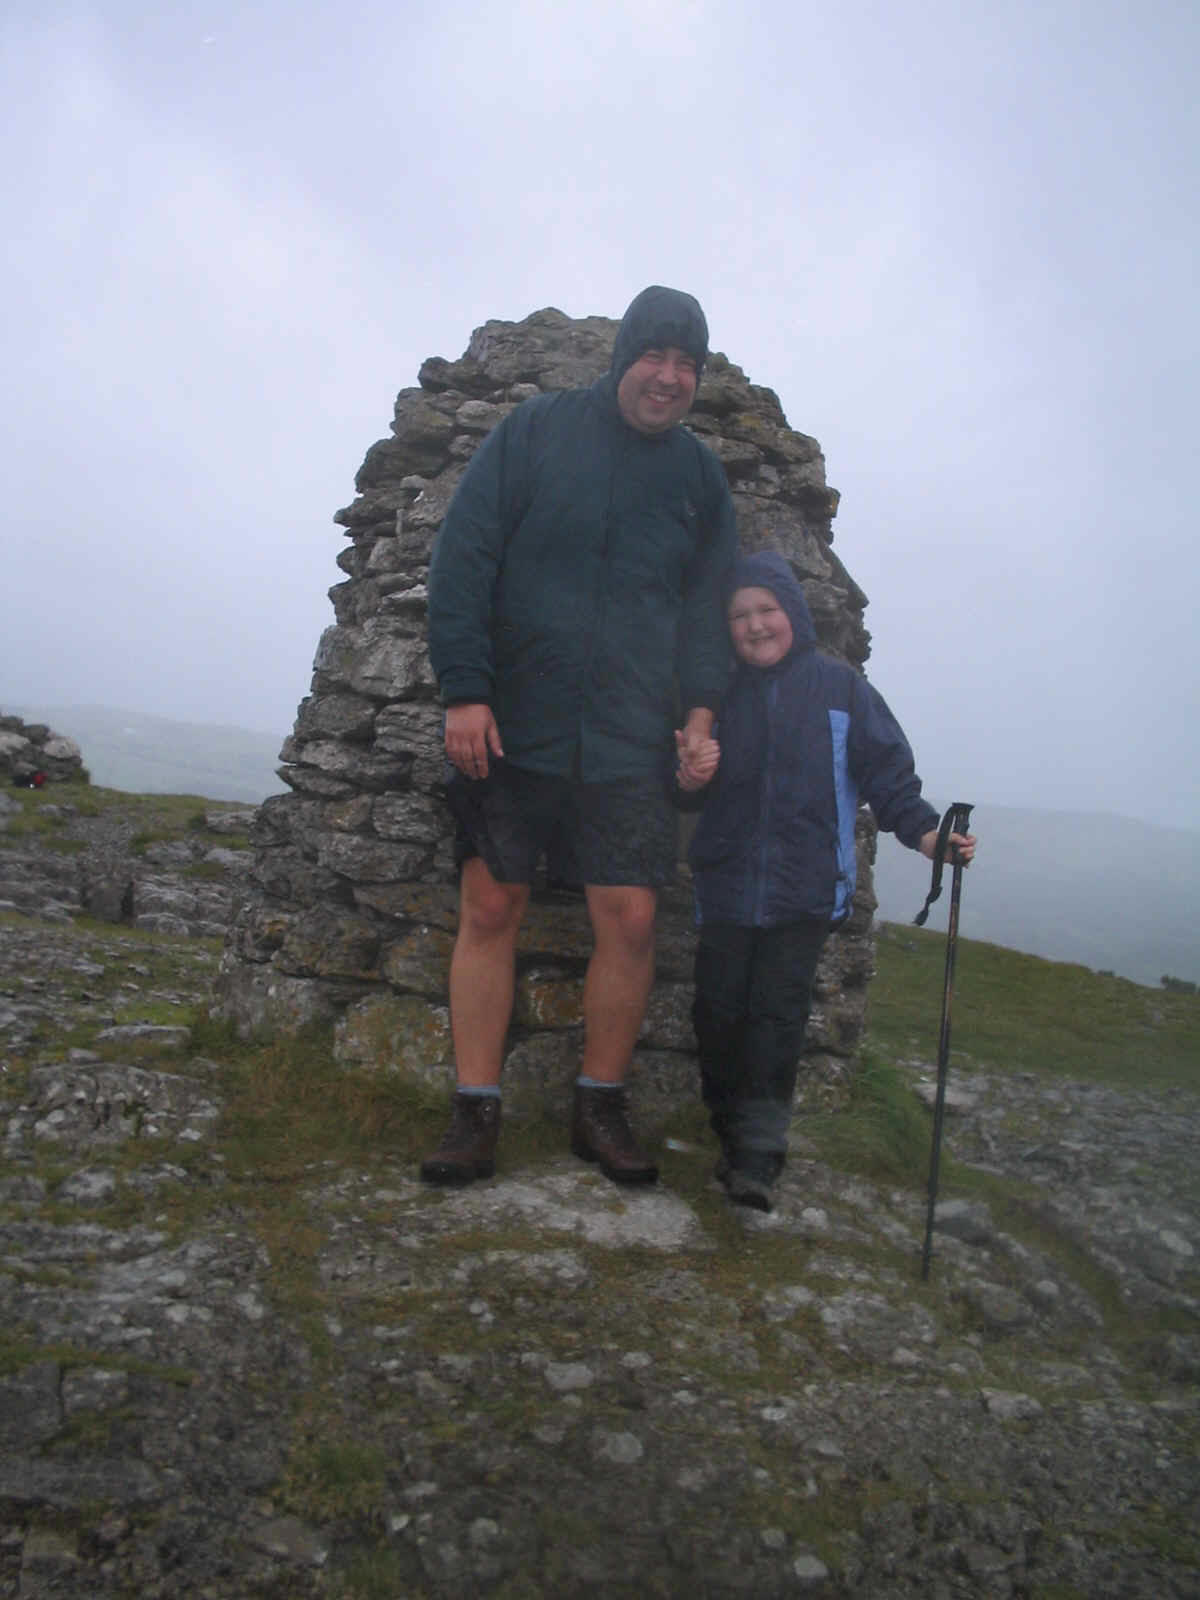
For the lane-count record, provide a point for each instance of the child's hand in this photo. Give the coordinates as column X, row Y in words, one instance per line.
column 697, row 766
column 964, row 842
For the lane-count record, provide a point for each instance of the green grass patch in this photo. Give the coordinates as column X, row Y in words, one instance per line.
column 520, row 1587
column 882, row 1132
column 141, row 841
column 15, row 838
column 291, row 1113
column 1021, row 1013
column 1156, row 1528
column 34, row 827
column 211, row 871
column 383, row 1574
column 19, row 1348
column 165, row 816
column 291, row 1105
column 330, row 1478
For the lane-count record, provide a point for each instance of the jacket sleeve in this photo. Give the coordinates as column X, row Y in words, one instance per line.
column 689, row 801
column 881, row 763
column 703, row 656
column 467, row 557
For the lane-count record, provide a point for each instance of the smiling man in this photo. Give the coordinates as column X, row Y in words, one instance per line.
column 658, row 389
column 575, row 619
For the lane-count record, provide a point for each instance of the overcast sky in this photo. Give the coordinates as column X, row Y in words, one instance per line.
column 959, row 240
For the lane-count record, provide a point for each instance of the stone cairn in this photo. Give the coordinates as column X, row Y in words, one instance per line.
column 351, row 912
column 28, row 748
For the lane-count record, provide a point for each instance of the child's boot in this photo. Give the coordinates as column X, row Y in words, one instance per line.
column 749, row 1178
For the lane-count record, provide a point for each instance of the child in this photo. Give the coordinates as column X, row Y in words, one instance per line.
column 800, row 736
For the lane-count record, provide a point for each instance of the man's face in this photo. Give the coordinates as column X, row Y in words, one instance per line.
column 759, row 627
column 658, row 389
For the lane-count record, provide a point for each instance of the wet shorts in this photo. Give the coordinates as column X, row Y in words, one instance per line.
column 623, row 832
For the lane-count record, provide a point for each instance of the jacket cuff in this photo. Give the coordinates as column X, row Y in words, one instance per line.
column 465, row 689
column 703, row 700
column 914, row 830
column 688, row 800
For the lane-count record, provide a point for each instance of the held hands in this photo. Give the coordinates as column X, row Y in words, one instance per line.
column 698, row 751
column 471, row 734
column 965, row 843
column 698, row 760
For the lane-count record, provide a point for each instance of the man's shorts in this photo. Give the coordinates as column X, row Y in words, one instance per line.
column 623, row 832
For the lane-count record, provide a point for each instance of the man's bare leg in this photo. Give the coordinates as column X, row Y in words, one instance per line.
column 619, row 978
column 482, row 969
column 481, row 998
column 616, row 991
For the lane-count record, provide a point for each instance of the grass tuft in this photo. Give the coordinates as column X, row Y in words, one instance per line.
column 379, row 1574
column 882, row 1133
column 330, row 1478
column 292, row 1104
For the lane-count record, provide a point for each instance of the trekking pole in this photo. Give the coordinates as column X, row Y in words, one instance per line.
column 956, row 820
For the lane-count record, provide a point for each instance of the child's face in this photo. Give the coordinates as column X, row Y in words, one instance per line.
column 761, row 632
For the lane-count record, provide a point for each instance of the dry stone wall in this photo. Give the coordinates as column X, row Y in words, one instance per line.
column 352, row 908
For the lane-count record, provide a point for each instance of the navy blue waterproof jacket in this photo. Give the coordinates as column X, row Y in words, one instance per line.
column 800, row 743
column 577, row 586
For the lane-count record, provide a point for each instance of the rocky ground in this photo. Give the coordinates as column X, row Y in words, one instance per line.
column 224, row 1378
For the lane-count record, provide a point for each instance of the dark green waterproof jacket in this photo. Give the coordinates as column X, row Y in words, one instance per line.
column 576, row 586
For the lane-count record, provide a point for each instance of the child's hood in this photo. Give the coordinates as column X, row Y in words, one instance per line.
column 767, row 569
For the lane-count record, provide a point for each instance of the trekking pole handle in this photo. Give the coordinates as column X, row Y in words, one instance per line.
column 960, row 821
column 956, row 819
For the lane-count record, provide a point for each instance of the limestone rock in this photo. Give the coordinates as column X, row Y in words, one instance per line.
column 27, row 748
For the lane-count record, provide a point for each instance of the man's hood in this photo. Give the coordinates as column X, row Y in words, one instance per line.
column 656, row 318
column 767, row 569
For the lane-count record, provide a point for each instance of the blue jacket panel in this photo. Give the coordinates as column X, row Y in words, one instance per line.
column 802, row 743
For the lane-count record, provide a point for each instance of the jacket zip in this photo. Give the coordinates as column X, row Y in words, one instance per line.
column 599, row 607
column 758, row 919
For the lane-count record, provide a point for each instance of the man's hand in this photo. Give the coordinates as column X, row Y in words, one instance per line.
column 697, row 762
column 964, row 841
column 471, row 733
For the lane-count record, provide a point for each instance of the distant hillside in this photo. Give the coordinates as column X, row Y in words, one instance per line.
column 142, row 754
column 1106, row 892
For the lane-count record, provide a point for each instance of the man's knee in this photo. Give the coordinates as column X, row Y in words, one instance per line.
column 624, row 914
column 489, row 909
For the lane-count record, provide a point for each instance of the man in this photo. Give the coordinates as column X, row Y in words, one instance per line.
column 575, row 597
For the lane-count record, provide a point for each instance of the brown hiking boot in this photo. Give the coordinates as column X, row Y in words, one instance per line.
column 468, row 1147
column 600, row 1132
